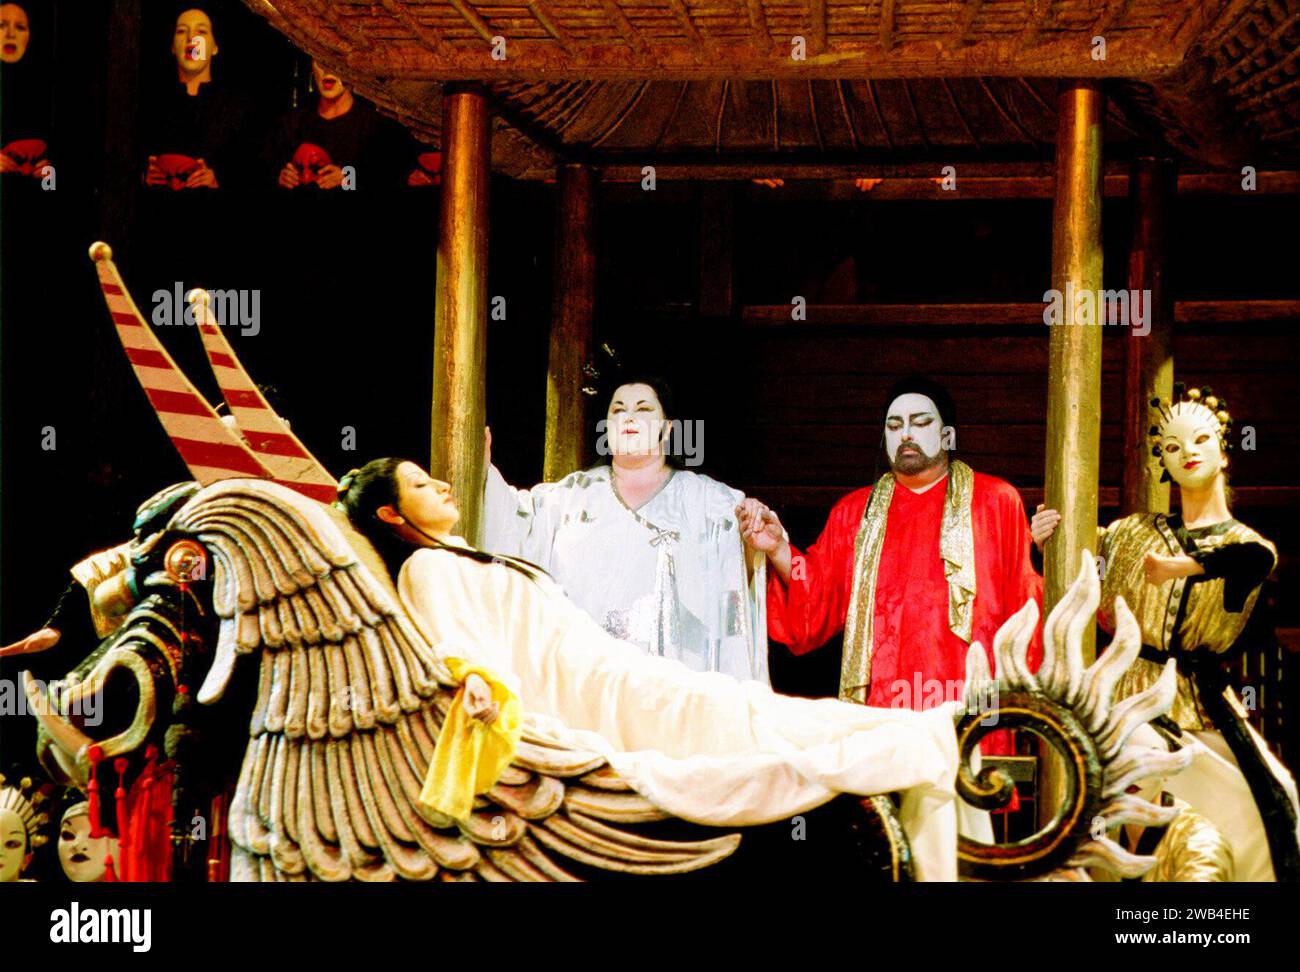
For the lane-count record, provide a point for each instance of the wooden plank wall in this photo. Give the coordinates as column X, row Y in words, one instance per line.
column 793, row 411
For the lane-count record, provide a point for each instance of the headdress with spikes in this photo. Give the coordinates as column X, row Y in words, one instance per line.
column 1200, row 401
column 23, row 801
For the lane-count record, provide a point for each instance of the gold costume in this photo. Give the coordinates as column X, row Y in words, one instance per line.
column 1191, row 850
column 1206, row 623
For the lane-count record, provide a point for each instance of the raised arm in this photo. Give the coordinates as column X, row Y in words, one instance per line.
column 520, row 522
column 808, row 592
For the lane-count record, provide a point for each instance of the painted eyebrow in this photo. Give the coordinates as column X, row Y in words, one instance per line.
column 914, row 415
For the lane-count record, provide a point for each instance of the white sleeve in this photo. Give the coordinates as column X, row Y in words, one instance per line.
column 743, row 572
column 452, row 602
column 521, row 522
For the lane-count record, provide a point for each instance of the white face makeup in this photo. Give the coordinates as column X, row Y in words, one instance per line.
column 635, row 424
column 13, row 845
column 913, row 434
column 1190, row 448
column 82, row 857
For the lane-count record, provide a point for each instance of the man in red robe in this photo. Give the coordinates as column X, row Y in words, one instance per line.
column 914, row 569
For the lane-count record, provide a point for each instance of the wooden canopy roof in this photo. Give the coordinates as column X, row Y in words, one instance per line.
column 1217, row 81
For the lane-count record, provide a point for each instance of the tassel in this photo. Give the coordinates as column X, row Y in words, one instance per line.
column 123, row 816
column 94, row 755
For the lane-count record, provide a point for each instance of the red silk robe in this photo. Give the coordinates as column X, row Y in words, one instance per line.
column 917, row 661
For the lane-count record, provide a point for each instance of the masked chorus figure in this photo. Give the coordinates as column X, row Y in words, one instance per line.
column 652, row 552
column 1193, row 579
column 1188, row 849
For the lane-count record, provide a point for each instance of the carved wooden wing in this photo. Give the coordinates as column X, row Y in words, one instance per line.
column 350, row 702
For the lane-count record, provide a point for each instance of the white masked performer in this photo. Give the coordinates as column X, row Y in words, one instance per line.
column 652, row 552
column 1188, row 849
column 20, row 829
column 701, row 745
column 1192, row 580
column 84, row 857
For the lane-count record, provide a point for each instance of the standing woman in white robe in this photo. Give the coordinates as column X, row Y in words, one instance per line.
column 652, row 552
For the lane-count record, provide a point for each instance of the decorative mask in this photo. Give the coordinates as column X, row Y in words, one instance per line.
column 84, row 858
column 310, row 159
column 19, row 828
column 26, row 152
column 1191, row 437
column 177, row 168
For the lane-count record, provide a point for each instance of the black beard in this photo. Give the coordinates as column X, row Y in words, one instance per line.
column 917, row 463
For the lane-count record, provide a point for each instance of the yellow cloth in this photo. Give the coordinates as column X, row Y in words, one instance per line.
column 471, row 755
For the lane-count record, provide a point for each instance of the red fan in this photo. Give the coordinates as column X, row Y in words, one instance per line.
column 177, row 169
column 310, row 159
column 26, row 152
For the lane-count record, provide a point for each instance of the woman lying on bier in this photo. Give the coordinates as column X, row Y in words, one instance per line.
column 703, row 745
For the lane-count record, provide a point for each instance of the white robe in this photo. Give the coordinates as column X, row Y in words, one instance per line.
column 669, row 577
column 1216, row 787
column 702, row 746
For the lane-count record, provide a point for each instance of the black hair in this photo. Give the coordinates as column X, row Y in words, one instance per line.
column 664, row 392
column 921, row 385
column 363, row 491
column 914, row 385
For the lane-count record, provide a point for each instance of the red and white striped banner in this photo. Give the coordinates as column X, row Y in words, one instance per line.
column 211, row 449
column 265, row 432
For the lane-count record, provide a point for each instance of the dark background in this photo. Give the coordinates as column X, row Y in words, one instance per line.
column 347, row 295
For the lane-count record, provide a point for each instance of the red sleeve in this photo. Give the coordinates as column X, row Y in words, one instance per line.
column 1020, row 580
column 811, row 609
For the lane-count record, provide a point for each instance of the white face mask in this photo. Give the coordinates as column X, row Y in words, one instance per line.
column 1189, row 446
column 83, row 858
column 13, row 845
column 913, row 433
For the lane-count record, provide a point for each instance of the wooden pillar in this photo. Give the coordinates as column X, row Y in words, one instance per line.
column 1148, row 359
column 572, row 320
column 1074, row 354
column 717, row 249
column 460, row 316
